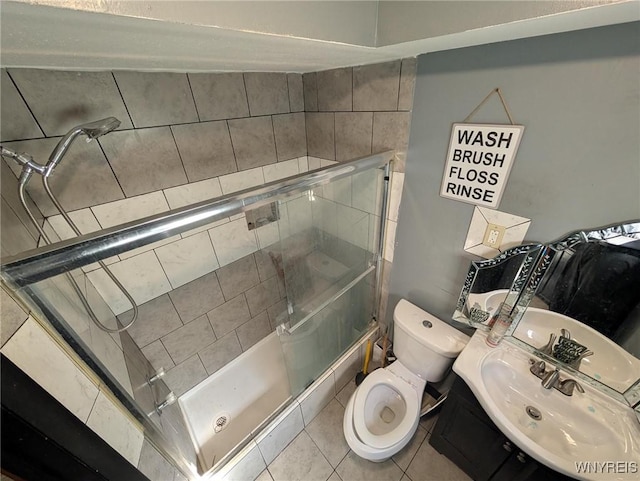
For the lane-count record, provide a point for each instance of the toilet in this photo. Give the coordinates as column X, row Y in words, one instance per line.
column 383, row 413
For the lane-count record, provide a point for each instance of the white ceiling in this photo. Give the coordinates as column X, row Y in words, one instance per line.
column 272, row 36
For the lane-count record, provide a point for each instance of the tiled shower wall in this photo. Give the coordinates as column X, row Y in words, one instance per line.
column 186, row 138
column 183, row 138
column 355, row 111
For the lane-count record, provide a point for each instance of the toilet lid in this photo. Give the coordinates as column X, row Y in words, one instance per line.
column 384, row 378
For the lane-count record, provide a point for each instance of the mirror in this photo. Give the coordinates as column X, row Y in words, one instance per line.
column 587, row 283
column 492, row 281
column 593, row 277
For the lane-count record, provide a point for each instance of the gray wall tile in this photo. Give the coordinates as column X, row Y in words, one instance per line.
column 189, row 339
column 157, row 98
column 221, row 352
column 296, row 93
column 61, row 100
column 229, row 315
column 205, row 149
column 144, row 160
column 16, row 122
column 320, row 135
column 407, row 83
column 353, row 134
column 9, row 188
column 264, row 262
column 375, row 87
column 157, row 355
column 219, row 95
column 253, row 142
column 310, row 88
column 12, row 316
column 156, row 318
column 278, row 313
column 153, row 465
column 82, row 179
column 391, row 131
column 291, row 135
column 14, row 236
column 186, row 375
column 335, row 90
column 197, row 297
column 254, row 330
column 237, row 277
column 267, row 93
column 262, row 296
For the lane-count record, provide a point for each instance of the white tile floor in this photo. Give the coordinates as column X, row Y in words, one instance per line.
column 320, row 453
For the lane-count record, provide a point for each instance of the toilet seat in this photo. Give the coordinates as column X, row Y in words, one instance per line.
column 381, row 390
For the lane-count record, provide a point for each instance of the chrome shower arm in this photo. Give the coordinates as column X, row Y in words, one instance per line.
column 25, row 160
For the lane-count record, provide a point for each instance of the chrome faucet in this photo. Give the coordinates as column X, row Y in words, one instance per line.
column 566, row 387
column 551, row 379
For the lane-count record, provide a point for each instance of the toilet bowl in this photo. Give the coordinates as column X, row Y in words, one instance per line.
column 383, row 413
column 387, row 404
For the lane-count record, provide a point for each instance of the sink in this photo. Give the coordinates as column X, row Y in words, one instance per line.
column 513, row 388
column 609, row 364
column 557, row 430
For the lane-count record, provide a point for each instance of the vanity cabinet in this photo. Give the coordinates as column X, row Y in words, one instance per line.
column 465, row 434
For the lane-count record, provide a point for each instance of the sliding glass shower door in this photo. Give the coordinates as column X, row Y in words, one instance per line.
column 328, row 255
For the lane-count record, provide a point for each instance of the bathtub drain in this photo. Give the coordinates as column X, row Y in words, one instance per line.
column 221, row 423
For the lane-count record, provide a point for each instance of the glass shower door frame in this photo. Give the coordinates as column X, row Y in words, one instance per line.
column 22, row 271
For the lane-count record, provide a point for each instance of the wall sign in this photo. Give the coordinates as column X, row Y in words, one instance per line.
column 478, row 163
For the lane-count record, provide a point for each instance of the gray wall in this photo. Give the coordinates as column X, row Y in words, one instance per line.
column 579, row 161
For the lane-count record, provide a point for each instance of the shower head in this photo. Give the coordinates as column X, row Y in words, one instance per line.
column 92, row 130
column 99, row 127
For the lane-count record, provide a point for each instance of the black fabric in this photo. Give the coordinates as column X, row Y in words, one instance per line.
column 599, row 286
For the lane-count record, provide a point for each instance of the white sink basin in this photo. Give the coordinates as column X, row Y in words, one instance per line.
column 609, row 364
column 585, row 427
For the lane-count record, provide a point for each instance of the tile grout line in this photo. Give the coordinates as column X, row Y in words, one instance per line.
column 275, row 142
column 286, row 78
column 113, row 172
column 233, row 149
column 246, row 93
column 27, row 105
column 397, row 109
column 184, row 169
column 126, row 107
column 193, row 97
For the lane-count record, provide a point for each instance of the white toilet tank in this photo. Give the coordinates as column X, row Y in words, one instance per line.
column 423, row 343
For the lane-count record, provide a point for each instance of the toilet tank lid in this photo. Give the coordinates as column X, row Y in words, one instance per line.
column 441, row 337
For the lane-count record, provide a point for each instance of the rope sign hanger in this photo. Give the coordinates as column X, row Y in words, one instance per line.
column 484, row 101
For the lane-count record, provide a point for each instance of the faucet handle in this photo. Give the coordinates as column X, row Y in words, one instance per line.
column 566, row 386
column 537, row 367
column 550, row 379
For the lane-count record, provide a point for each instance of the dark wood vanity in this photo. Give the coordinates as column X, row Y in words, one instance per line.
column 465, row 434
